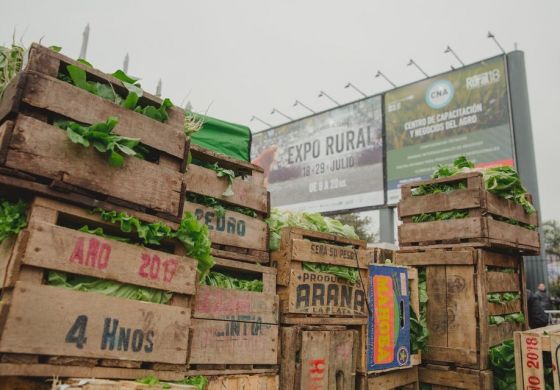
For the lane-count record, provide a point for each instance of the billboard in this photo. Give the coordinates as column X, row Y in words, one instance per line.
column 325, row 162
column 433, row 121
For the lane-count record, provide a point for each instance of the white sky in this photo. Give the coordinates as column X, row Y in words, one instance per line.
column 249, row 56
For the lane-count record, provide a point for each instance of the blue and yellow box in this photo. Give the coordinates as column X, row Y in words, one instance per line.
column 389, row 318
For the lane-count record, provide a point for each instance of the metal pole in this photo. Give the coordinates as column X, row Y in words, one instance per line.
column 85, row 40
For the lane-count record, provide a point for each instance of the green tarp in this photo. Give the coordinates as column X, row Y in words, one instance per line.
column 224, row 137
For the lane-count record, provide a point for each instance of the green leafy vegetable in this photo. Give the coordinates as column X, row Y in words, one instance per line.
column 13, row 218
column 199, row 381
column 503, row 298
column 11, row 62
column 148, row 233
column 193, row 235
column 440, row 216
column 503, row 181
column 107, row 287
column 347, row 273
column 99, row 232
column 227, row 174
column 78, row 77
column 219, row 207
column 217, row 279
column 502, row 363
column 196, row 240
column 311, row 221
column 101, row 136
column 418, row 324
column 514, row 317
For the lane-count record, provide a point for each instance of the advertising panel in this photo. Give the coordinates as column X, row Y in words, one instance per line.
column 325, row 162
column 433, row 121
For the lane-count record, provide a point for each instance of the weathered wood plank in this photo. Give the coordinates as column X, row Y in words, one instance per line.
column 243, row 306
column 55, row 247
column 436, row 287
column 47, row 320
column 435, row 257
column 43, row 150
column 441, row 230
column 204, row 181
column 53, row 370
column 244, row 382
column 461, row 307
column 233, row 342
column 502, row 282
column 318, row 252
column 232, row 228
column 467, row 380
column 500, row 333
column 460, row 200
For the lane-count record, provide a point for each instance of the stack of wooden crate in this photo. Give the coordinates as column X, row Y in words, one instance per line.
column 231, row 336
column 464, row 261
column 324, row 318
column 234, row 332
column 51, row 331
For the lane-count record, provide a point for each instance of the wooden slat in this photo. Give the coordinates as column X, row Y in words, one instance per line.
column 244, row 382
column 394, row 380
column 504, row 207
column 335, row 239
column 457, row 200
column 227, row 162
column 57, row 96
column 474, row 380
column 315, row 365
column 232, row 228
column 11, row 97
column 204, row 181
column 461, row 307
column 441, row 230
column 500, row 333
column 41, row 149
column 40, row 320
column 233, row 342
column 244, row 306
column 436, row 286
column 52, row 370
column 448, row 179
column 533, row 371
column 435, row 257
column 6, row 130
column 507, row 232
column 498, row 259
column 502, row 282
column 63, row 249
column 301, row 320
column 318, row 252
column 341, row 360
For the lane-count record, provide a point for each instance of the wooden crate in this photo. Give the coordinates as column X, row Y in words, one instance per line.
column 317, row 295
column 244, row 382
column 234, row 235
column 447, row 378
column 232, row 329
column 47, row 330
column 537, row 350
column 318, row 357
column 32, row 149
column 457, row 311
column 405, row 379
column 480, row 228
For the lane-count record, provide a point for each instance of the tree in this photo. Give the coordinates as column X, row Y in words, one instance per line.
column 360, row 225
column 551, row 232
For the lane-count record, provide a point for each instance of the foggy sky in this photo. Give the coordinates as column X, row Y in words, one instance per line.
column 249, row 56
